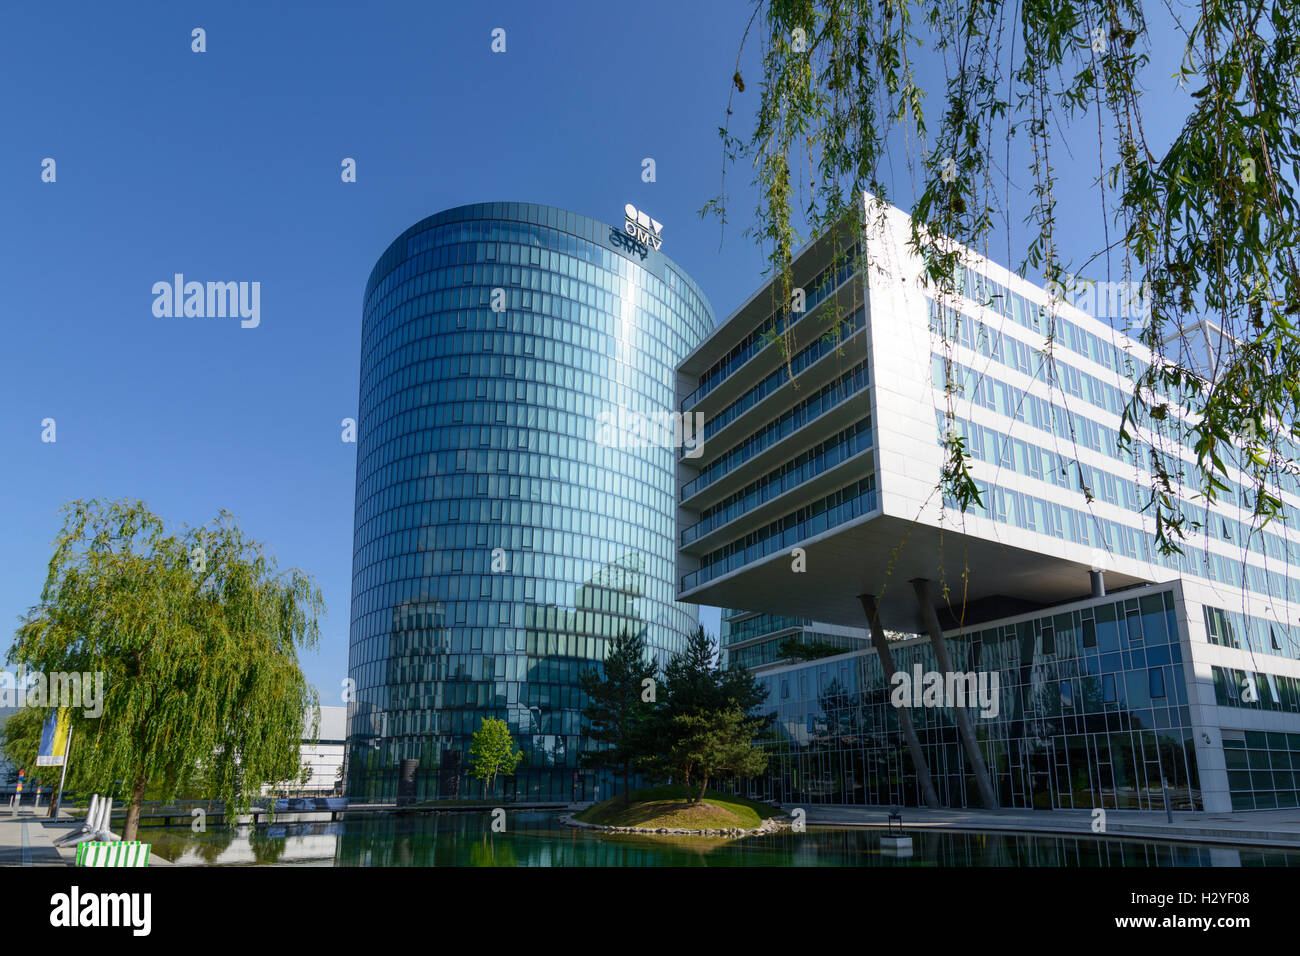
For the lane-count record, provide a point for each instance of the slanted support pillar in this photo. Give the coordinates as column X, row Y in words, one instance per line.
column 940, row 644
column 928, row 794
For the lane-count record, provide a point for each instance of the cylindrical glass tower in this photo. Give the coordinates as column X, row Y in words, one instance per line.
column 500, row 537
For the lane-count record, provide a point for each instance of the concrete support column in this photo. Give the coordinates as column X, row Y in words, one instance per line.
column 1098, row 582
column 940, row 644
column 869, row 608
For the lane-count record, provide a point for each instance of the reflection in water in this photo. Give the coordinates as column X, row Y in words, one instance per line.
column 310, row 843
column 538, row 839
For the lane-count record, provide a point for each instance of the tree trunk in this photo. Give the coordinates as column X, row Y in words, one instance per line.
column 627, row 793
column 132, row 825
column 704, row 785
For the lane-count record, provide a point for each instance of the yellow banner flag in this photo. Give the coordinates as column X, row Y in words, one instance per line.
column 54, row 739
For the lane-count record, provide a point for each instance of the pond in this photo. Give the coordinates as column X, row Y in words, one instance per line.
column 537, row 838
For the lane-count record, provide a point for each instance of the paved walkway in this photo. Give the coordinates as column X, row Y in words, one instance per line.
column 26, row 841
column 1280, row 828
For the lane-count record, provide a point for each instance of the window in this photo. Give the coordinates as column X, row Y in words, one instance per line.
column 1134, row 622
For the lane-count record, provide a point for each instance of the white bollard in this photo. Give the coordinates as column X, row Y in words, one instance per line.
column 106, row 821
column 88, row 826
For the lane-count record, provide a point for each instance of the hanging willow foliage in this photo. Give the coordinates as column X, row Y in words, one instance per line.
column 196, row 634
column 1210, row 223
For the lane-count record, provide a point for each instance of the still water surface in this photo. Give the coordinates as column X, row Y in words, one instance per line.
column 537, row 838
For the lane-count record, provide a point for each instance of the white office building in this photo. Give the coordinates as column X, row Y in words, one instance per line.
column 1161, row 677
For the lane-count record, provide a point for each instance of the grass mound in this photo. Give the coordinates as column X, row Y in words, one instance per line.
column 667, row 807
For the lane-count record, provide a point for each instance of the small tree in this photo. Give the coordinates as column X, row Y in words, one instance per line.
column 20, row 741
column 734, row 752
column 617, row 713
column 492, row 751
column 712, row 743
column 196, row 634
column 687, row 729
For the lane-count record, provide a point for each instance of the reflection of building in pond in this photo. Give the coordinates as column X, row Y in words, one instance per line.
column 537, row 839
column 240, row 846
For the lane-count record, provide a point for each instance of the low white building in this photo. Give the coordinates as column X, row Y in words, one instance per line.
column 324, row 755
column 321, row 755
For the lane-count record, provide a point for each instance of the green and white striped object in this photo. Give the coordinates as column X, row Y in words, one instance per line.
column 113, row 854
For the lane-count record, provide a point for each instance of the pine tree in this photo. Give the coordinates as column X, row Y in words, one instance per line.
column 711, row 743
column 618, row 711
column 690, row 679
column 695, row 724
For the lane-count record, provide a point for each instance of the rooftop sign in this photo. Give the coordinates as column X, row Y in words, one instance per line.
column 642, row 228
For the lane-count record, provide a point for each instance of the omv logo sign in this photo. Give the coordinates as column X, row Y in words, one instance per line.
column 642, row 228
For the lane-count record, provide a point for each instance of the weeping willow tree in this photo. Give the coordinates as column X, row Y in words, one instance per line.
column 1205, row 224
column 196, row 633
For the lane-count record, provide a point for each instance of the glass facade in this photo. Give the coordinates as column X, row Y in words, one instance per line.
column 1263, row 768
column 499, row 544
column 1254, row 634
column 1082, row 412
column 1092, row 712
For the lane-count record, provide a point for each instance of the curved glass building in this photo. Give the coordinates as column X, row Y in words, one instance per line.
column 500, row 538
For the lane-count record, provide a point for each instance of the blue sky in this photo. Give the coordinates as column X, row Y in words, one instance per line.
column 225, row 166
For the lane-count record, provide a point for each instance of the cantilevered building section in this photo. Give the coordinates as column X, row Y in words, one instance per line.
column 819, row 500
